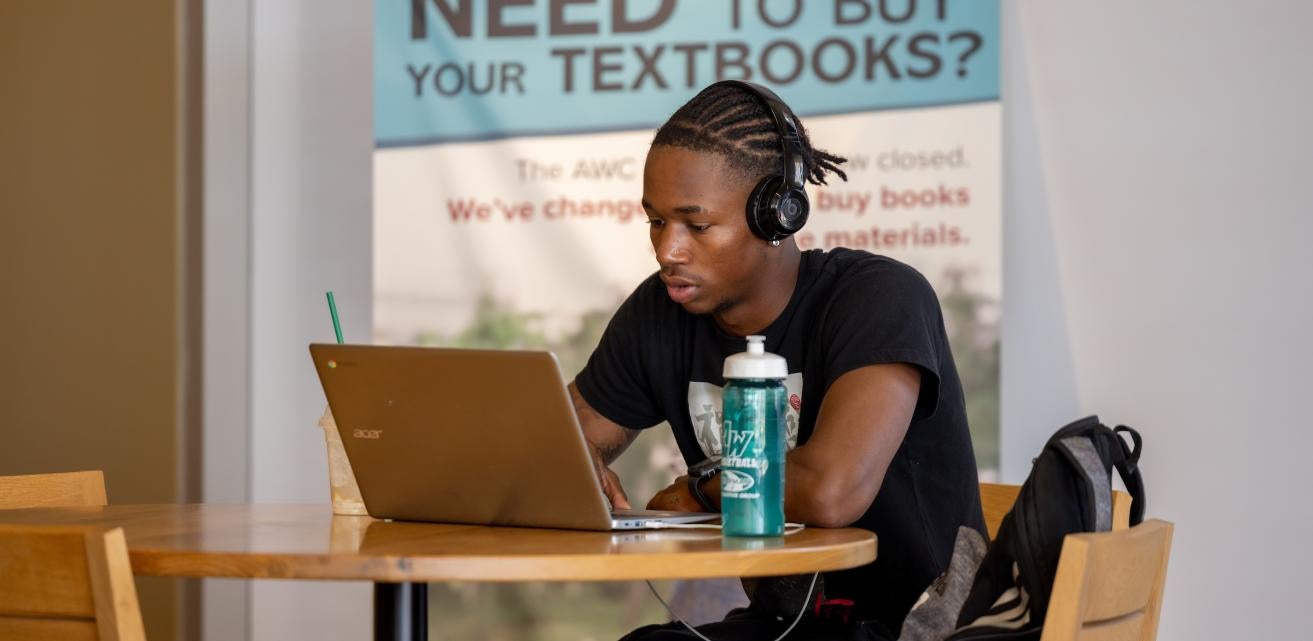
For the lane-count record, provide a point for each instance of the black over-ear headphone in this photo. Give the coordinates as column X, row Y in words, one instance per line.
column 778, row 206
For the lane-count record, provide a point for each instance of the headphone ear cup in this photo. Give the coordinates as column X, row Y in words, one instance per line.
column 774, row 211
column 791, row 210
column 762, row 219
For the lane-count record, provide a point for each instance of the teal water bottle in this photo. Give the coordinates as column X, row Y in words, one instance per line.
column 752, row 465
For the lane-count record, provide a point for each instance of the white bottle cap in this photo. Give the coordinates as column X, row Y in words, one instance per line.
column 756, row 362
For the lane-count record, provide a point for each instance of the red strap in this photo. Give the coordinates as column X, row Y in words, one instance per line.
column 831, row 607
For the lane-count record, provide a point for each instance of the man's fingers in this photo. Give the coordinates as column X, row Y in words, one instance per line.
column 614, row 492
column 610, row 484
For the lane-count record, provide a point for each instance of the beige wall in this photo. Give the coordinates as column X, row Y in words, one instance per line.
column 91, row 232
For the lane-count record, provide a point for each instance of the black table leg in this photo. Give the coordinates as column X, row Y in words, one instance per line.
column 401, row 611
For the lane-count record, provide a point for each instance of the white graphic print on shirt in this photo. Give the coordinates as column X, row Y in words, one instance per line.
column 704, row 407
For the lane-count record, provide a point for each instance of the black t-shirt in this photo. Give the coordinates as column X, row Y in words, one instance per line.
column 849, row 309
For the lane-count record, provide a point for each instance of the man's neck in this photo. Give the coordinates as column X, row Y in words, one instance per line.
column 774, row 287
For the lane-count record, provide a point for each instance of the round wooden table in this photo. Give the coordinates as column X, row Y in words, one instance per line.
column 309, row 542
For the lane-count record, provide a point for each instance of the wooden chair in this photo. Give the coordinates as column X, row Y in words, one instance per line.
column 67, row 582
column 67, row 489
column 996, row 500
column 1109, row 585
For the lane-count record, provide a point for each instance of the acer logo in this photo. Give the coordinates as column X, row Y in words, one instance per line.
column 370, row 434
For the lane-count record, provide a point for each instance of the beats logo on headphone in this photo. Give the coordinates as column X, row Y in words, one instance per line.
column 777, row 206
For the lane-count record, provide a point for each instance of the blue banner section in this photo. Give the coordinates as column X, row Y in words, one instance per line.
column 449, row 70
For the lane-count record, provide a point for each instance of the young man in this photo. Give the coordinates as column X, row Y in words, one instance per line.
column 877, row 426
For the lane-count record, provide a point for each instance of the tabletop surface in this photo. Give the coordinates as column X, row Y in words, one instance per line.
column 309, row 542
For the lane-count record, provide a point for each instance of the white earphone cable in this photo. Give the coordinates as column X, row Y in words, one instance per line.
column 801, row 611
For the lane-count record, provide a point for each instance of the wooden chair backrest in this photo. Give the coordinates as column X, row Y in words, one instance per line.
column 66, row 489
column 1109, row 585
column 996, row 500
column 67, row 582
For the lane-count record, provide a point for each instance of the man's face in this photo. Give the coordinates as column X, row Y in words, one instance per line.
column 695, row 207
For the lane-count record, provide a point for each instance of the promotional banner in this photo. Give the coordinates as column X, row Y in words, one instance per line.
column 511, row 136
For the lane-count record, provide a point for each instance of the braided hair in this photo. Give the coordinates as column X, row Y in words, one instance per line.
column 731, row 122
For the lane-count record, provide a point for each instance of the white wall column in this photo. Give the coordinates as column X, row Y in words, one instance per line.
column 289, row 146
column 1156, row 229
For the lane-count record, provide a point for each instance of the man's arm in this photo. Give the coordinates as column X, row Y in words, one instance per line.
column 832, row 479
column 606, row 441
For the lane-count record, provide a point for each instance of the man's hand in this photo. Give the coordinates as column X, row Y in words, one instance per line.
column 606, row 440
column 675, row 498
column 611, row 487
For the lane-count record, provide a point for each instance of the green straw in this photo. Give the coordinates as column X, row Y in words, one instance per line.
column 337, row 325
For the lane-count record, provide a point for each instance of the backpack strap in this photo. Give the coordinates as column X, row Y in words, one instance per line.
column 1127, row 461
column 1080, row 451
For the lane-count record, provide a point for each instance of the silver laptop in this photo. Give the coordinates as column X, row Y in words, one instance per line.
column 468, row 436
